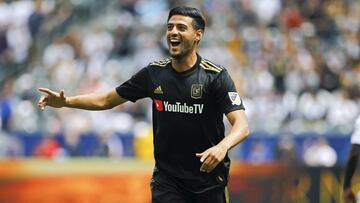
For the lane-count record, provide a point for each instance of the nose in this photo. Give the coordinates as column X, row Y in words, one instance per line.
column 173, row 31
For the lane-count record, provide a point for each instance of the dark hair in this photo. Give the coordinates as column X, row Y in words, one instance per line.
column 194, row 13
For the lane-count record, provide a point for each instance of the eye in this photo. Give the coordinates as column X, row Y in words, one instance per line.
column 170, row 27
column 182, row 28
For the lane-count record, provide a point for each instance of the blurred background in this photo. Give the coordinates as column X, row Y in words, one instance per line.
column 296, row 64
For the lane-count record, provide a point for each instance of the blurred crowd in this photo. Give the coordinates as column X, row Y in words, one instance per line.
column 296, row 63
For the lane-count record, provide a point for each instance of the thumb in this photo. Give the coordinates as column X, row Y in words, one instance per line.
column 62, row 94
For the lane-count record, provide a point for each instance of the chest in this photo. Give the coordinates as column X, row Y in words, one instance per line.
column 194, row 88
column 181, row 95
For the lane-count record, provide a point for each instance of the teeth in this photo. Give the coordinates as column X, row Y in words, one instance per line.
column 174, row 40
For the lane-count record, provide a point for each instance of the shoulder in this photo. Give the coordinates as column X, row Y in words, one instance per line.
column 211, row 67
column 160, row 63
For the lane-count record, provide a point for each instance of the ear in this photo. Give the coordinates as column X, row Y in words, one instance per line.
column 198, row 35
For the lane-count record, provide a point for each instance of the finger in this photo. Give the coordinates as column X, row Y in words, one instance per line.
column 204, row 157
column 206, row 168
column 48, row 91
column 206, row 164
column 62, row 94
column 203, row 168
column 42, row 99
column 211, row 163
column 42, row 105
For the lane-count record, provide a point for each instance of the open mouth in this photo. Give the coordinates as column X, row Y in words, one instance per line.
column 174, row 42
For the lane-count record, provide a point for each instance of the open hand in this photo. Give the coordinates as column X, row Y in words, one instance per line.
column 212, row 157
column 53, row 99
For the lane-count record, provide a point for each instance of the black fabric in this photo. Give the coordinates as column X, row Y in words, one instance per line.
column 351, row 164
column 136, row 87
column 164, row 189
column 188, row 110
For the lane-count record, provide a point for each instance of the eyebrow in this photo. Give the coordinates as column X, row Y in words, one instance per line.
column 177, row 24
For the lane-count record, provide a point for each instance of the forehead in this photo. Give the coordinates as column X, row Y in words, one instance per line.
column 179, row 19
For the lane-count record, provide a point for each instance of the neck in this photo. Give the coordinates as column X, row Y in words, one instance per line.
column 185, row 63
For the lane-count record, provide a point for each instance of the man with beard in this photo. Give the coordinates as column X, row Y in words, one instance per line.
column 190, row 96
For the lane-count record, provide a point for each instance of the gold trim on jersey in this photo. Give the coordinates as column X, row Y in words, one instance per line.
column 207, row 65
column 227, row 196
column 162, row 62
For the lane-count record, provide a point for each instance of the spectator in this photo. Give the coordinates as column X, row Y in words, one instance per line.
column 320, row 153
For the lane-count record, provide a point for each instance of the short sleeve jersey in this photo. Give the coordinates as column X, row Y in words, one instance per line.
column 188, row 109
column 355, row 138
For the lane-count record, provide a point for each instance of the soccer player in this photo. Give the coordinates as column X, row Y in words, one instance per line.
column 351, row 164
column 190, row 95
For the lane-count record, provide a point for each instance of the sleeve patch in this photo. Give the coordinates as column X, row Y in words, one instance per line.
column 235, row 98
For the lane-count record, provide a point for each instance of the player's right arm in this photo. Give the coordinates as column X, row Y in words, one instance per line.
column 93, row 101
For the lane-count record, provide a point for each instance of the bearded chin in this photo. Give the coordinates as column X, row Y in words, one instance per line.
column 181, row 55
column 177, row 56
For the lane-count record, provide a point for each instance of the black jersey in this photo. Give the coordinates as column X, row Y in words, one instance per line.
column 188, row 109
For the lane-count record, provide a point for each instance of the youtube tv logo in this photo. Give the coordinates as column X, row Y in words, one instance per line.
column 159, row 105
column 178, row 107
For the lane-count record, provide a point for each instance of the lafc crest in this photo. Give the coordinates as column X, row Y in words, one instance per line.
column 196, row 91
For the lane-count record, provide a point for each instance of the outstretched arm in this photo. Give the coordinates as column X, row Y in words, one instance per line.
column 93, row 101
column 350, row 168
column 239, row 131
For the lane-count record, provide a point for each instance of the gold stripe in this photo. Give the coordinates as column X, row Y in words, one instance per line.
column 164, row 60
column 158, row 64
column 207, row 67
column 161, row 63
column 227, row 196
column 211, row 64
column 203, row 66
column 215, row 67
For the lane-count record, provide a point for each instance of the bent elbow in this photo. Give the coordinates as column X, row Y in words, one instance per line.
column 108, row 102
column 246, row 131
column 108, row 105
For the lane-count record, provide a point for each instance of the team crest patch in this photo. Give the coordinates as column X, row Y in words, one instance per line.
column 235, row 98
column 196, row 91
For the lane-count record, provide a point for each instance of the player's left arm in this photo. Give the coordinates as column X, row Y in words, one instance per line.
column 239, row 131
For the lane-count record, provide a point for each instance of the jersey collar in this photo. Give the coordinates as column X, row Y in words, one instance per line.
column 189, row 71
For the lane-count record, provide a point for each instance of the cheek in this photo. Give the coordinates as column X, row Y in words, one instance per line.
column 190, row 39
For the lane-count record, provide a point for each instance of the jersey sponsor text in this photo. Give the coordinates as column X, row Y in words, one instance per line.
column 179, row 107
